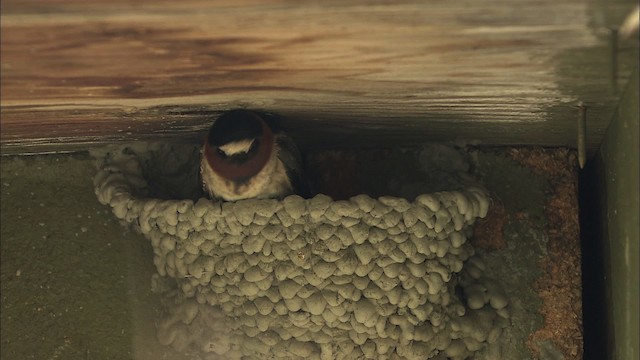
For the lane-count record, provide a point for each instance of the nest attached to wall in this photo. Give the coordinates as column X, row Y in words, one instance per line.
column 309, row 278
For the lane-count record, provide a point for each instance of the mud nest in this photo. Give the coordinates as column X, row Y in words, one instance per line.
column 311, row 278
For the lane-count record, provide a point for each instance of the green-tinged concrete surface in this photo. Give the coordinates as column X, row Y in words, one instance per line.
column 619, row 158
column 75, row 284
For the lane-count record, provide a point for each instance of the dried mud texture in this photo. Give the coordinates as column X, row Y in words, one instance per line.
column 402, row 172
column 560, row 285
column 331, row 168
column 315, row 278
column 488, row 233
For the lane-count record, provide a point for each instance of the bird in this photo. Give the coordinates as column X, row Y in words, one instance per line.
column 246, row 156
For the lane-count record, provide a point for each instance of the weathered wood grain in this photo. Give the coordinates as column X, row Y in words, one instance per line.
column 351, row 73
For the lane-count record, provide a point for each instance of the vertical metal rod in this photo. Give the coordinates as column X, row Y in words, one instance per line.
column 582, row 135
column 613, row 59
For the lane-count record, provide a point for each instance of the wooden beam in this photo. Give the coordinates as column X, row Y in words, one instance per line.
column 76, row 73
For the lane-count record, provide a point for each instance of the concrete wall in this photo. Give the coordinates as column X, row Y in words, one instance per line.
column 617, row 168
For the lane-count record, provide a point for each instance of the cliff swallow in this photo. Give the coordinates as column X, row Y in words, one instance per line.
column 244, row 156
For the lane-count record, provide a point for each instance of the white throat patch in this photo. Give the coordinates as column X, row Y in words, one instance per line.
column 237, row 147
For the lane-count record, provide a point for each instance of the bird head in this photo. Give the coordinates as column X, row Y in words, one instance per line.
column 239, row 145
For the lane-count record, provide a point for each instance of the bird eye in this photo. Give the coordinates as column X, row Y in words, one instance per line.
column 221, row 153
column 254, row 145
